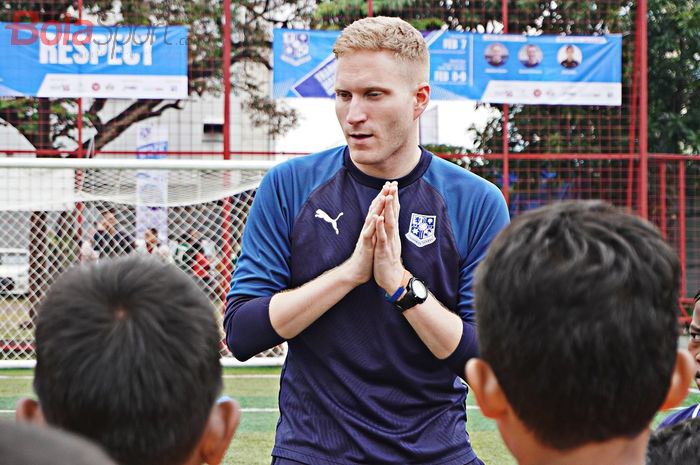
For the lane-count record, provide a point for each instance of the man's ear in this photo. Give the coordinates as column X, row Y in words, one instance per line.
column 680, row 380
column 422, row 99
column 486, row 388
column 223, row 421
column 29, row 411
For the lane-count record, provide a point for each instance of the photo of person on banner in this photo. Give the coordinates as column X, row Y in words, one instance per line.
column 569, row 56
column 530, row 55
column 496, row 54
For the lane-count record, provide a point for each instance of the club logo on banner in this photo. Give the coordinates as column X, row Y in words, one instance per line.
column 492, row 68
column 296, row 48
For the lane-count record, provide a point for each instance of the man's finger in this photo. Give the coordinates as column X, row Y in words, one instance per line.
column 390, row 215
column 374, row 209
column 368, row 231
column 397, row 204
column 381, row 232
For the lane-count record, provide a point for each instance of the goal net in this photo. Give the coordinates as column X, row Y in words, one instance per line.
column 55, row 213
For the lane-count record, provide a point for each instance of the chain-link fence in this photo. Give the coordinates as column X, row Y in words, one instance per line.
column 535, row 153
column 55, row 214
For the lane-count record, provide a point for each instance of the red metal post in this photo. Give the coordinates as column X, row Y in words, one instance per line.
column 226, row 247
column 643, row 110
column 370, row 8
column 80, row 99
column 504, row 124
column 632, row 131
column 227, row 78
column 662, row 198
column 681, row 223
column 79, row 173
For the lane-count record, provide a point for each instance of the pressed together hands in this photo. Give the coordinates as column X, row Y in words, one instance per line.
column 378, row 249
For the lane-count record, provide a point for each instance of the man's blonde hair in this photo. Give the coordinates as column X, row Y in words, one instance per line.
column 385, row 33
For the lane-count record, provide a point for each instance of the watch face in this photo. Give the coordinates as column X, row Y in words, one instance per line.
column 419, row 289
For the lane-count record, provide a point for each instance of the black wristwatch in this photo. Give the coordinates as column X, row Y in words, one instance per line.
column 416, row 293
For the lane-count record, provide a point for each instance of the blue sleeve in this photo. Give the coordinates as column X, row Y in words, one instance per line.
column 248, row 327
column 485, row 223
column 262, row 270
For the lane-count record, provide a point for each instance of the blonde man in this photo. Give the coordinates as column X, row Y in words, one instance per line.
column 372, row 293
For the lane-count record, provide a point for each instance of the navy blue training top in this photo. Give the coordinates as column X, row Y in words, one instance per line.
column 358, row 385
column 687, row 413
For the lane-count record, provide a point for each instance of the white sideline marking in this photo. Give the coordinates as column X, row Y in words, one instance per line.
column 251, row 376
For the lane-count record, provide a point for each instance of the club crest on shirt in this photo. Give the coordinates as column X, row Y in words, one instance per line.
column 421, row 231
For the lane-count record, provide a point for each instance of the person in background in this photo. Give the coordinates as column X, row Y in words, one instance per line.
column 694, row 349
column 108, row 240
column 150, row 245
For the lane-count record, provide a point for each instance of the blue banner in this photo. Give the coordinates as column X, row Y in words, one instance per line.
column 494, row 68
column 82, row 60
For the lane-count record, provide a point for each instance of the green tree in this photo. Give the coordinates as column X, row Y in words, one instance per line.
column 52, row 123
column 674, row 76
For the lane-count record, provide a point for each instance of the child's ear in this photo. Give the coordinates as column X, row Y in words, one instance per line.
column 486, row 388
column 223, row 421
column 29, row 411
column 680, row 380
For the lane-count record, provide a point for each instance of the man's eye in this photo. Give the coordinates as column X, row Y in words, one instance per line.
column 695, row 337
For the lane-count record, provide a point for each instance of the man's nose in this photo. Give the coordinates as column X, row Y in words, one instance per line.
column 356, row 112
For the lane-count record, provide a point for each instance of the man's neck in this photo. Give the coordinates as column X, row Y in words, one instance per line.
column 620, row 451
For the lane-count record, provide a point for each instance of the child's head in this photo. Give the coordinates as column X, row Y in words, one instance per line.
column 678, row 444
column 694, row 337
column 127, row 355
column 577, row 319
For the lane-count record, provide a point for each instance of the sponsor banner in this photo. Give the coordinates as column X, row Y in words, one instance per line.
column 82, row 60
column 152, row 185
column 494, row 68
column 552, row 70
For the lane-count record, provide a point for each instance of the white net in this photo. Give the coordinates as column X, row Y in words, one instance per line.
column 55, row 213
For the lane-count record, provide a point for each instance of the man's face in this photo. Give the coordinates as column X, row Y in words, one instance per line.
column 109, row 218
column 497, row 55
column 149, row 237
column 570, row 53
column 532, row 54
column 694, row 341
column 377, row 107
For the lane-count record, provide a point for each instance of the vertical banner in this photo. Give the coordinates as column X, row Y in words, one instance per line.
column 152, row 185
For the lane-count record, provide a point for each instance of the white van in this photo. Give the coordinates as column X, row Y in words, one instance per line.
column 14, row 271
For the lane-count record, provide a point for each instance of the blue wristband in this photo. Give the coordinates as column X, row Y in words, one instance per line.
column 395, row 297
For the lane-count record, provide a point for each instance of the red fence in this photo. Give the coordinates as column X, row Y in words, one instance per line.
column 536, row 154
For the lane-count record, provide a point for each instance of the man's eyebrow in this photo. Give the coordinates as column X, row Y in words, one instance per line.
column 365, row 89
column 694, row 327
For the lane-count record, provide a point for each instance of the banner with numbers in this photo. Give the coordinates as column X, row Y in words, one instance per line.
column 493, row 68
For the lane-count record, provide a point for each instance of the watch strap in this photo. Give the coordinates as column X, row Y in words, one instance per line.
column 410, row 299
column 401, row 289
